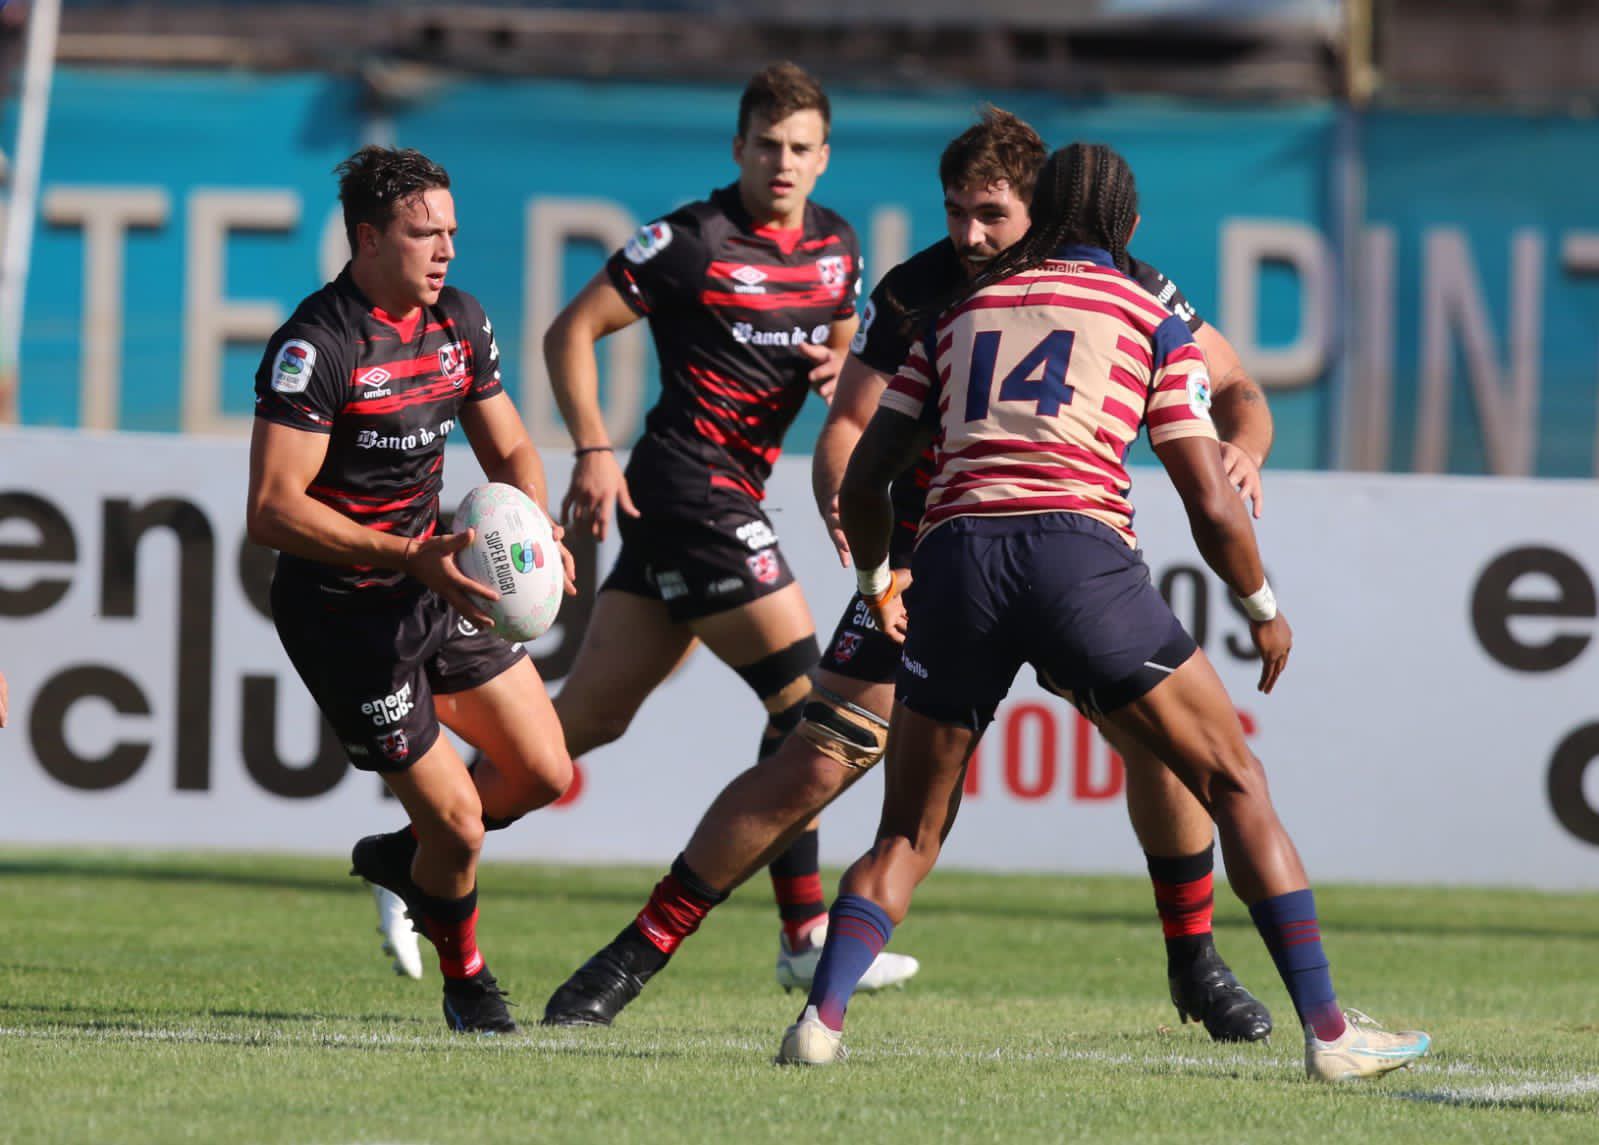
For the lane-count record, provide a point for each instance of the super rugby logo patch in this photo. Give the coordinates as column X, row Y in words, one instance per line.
column 651, row 240
column 292, row 373
column 1199, row 394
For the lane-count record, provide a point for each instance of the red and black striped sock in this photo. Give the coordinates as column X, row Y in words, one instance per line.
column 797, row 883
column 451, row 925
column 676, row 908
column 1184, row 897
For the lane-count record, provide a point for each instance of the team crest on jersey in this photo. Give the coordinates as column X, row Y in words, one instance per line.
column 395, row 746
column 831, row 269
column 858, row 343
column 1199, row 393
column 848, row 644
column 452, row 362
column 763, row 566
column 651, row 240
column 292, row 373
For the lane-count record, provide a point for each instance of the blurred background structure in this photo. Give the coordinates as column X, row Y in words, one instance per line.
column 1385, row 204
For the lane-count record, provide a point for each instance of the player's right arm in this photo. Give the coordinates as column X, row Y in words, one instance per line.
column 1184, row 440
column 597, row 481
column 281, row 515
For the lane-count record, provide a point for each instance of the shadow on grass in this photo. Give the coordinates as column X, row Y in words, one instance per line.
column 148, row 871
column 552, row 888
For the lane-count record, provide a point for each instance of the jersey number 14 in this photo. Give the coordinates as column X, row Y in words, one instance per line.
column 1048, row 359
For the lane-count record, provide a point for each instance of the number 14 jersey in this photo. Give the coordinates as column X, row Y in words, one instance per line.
column 1038, row 384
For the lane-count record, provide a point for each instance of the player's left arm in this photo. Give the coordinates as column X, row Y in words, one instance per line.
column 1243, row 419
column 891, row 444
column 507, row 455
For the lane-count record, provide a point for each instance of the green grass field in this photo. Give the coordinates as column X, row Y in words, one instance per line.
column 229, row 999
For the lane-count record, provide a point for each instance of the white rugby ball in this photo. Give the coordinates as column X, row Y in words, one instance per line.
column 515, row 553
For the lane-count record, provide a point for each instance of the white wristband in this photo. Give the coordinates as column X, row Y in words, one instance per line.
column 1260, row 605
column 874, row 582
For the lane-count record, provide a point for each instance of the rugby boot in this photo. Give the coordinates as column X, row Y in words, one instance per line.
column 477, row 1005
column 796, row 968
column 599, row 989
column 384, row 863
column 1206, row 991
column 399, row 935
column 809, row 1042
column 1364, row 1050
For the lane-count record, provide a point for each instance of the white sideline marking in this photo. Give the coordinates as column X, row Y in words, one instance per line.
column 1504, row 1094
column 1513, row 1084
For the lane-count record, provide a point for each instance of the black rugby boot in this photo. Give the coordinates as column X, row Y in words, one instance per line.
column 1205, row 990
column 599, row 989
column 477, row 1005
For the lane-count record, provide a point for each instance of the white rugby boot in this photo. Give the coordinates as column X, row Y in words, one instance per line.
column 796, row 968
column 1364, row 1050
column 399, row 937
column 809, row 1042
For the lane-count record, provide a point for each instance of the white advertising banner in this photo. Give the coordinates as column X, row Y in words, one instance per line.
column 1435, row 725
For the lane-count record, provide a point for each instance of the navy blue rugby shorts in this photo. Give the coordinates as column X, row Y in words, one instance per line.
column 1060, row 591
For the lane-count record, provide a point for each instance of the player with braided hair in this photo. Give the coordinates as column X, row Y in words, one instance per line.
column 1033, row 382
column 987, row 174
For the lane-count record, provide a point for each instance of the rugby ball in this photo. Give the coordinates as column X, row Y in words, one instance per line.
column 514, row 552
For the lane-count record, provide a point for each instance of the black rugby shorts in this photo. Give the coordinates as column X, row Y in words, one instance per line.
column 373, row 667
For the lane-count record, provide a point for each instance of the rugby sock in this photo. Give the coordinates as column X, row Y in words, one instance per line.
column 1288, row 925
column 451, row 925
column 797, row 883
column 1184, row 898
column 857, row 931
column 676, row 908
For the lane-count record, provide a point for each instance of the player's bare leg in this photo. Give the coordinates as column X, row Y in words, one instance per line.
column 440, row 887
column 511, row 718
column 512, row 722
column 924, row 768
column 771, row 644
column 1178, row 838
column 755, row 818
column 764, row 808
column 1189, row 722
column 629, row 649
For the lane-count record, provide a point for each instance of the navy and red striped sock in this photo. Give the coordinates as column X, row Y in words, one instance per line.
column 1185, row 898
column 451, row 926
column 857, row 931
column 1289, row 927
column 797, row 884
column 676, row 908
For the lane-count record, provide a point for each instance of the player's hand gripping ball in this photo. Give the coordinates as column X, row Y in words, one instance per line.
column 515, row 553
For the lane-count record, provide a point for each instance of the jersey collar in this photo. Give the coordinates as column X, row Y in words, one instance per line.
column 1082, row 252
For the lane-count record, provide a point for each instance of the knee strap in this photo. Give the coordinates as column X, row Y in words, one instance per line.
column 843, row 731
column 771, row 674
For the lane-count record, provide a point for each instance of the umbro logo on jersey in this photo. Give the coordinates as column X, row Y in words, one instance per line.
column 750, row 278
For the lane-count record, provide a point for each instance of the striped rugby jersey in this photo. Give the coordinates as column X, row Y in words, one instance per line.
column 386, row 392
column 730, row 306
column 1037, row 386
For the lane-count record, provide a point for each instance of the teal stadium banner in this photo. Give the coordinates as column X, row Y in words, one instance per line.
column 1417, row 292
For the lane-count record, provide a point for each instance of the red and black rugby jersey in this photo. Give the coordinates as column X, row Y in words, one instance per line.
column 729, row 305
column 883, row 342
column 387, row 394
